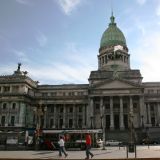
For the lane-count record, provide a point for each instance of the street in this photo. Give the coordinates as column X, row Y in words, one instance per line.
column 109, row 153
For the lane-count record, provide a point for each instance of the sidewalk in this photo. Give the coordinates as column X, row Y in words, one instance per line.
column 109, row 153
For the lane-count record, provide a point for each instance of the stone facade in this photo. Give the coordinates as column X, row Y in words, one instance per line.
column 114, row 96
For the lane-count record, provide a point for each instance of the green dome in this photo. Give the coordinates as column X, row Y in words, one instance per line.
column 112, row 36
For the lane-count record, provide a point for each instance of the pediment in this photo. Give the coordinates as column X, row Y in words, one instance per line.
column 116, row 84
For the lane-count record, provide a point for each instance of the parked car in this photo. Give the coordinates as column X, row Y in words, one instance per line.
column 150, row 141
column 113, row 143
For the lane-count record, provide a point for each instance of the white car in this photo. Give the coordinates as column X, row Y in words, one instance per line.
column 113, row 143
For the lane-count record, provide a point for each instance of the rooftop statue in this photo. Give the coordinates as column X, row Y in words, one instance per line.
column 19, row 66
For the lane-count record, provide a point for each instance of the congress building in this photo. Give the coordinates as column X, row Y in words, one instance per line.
column 114, row 101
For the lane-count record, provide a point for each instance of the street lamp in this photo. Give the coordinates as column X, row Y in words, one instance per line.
column 131, row 127
column 39, row 111
column 101, row 121
column 103, row 127
column 131, row 146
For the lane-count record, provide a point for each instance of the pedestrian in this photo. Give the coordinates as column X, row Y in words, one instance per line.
column 61, row 147
column 50, row 145
column 88, row 146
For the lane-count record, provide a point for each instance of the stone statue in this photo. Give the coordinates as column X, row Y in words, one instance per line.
column 19, row 66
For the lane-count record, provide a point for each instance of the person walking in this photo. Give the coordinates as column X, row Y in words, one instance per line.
column 88, row 146
column 61, row 147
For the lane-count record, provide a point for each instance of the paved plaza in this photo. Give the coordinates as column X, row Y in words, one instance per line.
column 109, row 153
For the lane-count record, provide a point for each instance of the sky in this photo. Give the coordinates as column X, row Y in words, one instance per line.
column 57, row 41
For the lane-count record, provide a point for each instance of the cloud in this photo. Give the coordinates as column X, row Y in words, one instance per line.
column 68, row 5
column 80, row 56
column 58, row 73
column 20, row 55
column 147, row 55
column 74, row 68
column 41, row 39
column 24, row 2
column 158, row 10
column 141, row 2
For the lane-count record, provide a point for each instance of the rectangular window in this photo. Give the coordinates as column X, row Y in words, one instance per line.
column 97, row 106
column 70, row 123
column 51, row 122
column 4, row 106
column 60, row 123
column 44, row 94
column 3, row 120
column 70, row 109
column 61, row 109
column 107, row 106
column 6, row 89
column 15, row 88
column 80, row 109
column 80, row 93
column 71, row 93
column 135, row 105
column 12, row 120
column 150, row 91
column 14, row 106
column 52, row 109
column 152, row 107
column 80, row 122
column 53, row 93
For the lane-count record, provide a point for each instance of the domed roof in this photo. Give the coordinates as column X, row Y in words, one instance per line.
column 112, row 35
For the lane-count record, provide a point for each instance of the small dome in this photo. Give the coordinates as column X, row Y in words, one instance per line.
column 112, row 36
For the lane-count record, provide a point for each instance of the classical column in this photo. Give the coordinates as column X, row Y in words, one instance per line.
column 90, row 113
column 99, row 65
column 149, row 114
column 147, row 119
column 158, row 114
column 131, row 104
column 64, row 116
column 142, row 111
column 55, row 117
column 83, row 115
column 45, row 116
column 10, row 89
column 74, row 116
column 101, row 105
column 121, row 114
column 8, row 114
column 22, row 114
column 111, row 114
column 91, row 117
column 102, row 114
column 92, row 103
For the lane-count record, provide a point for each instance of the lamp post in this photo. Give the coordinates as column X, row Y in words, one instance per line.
column 131, row 146
column 103, row 127
column 39, row 112
column 101, row 121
